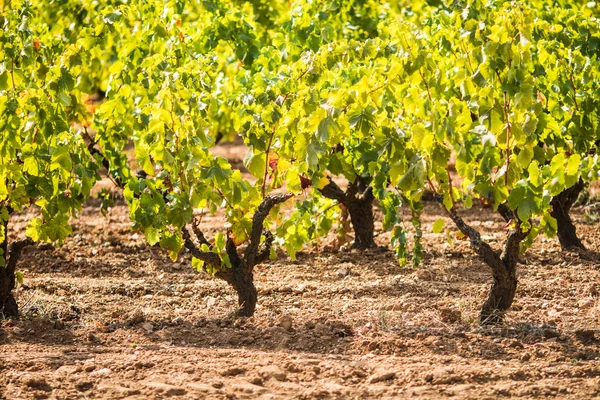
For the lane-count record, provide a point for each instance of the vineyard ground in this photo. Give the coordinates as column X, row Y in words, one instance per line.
column 106, row 316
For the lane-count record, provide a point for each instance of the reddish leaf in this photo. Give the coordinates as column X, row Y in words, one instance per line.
column 305, row 182
column 273, row 159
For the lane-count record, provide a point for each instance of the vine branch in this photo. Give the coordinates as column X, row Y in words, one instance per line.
column 508, row 129
column 251, row 252
column 267, row 152
column 574, row 90
column 426, row 85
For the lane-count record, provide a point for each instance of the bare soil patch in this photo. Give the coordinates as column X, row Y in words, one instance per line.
column 106, row 316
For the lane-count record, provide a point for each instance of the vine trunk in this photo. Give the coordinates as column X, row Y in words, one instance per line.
column 561, row 205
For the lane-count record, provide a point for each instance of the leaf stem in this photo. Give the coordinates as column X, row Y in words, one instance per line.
column 12, row 73
column 468, row 58
column 574, row 90
column 223, row 197
column 176, row 135
column 304, row 73
column 450, row 187
column 508, row 127
column 435, row 192
column 267, row 152
column 94, row 153
column 426, row 85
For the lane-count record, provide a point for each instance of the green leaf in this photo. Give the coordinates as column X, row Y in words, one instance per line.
column 292, row 180
column 524, row 211
column 19, row 277
column 220, row 242
column 64, row 99
column 30, row 166
column 524, row 157
column 57, row 228
column 438, row 225
column 34, row 229
column 535, row 176
column 414, row 178
column 143, row 158
column 112, row 17
column 422, row 137
column 3, row 189
column 197, row 264
column 172, row 241
column 327, row 127
column 255, row 163
column 573, row 165
column 4, row 215
column 516, row 196
column 62, row 161
column 152, row 235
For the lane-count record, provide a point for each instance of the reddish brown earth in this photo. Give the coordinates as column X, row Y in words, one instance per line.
column 106, row 316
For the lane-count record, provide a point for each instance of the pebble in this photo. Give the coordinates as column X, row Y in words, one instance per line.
column 37, row 383
column 200, row 387
column 256, row 380
column 460, row 389
column 210, row 301
column 83, row 385
column 322, row 329
column 247, row 387
column 502, row 389
column 286, row 322
column 147, row 326
column 143, row 364
column 381, row 377
column 273, row 371
column 166, row 389
column 291, row 367
column 119, row 391
column 68, row 369
column 89, row 367
column 585, row 304
column 450, row 316
column 232, row 371
column 443, row 375
column 103, row 371
column 342, row 272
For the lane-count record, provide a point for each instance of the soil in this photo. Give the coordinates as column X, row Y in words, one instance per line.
column 106, row 316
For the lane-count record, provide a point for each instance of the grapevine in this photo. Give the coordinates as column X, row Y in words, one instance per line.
column 344, row 108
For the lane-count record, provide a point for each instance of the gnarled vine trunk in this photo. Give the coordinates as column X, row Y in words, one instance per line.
column 503, row 266
column 359, row 202
column 361, row 215
column 243, row 283
column 11, row 254
column 240, row 275
column 241, row 278
column 561, row 206
column 8, row 304
column 504, row 286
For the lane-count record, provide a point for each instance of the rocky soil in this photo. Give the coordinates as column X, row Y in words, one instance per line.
column 105, row 316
